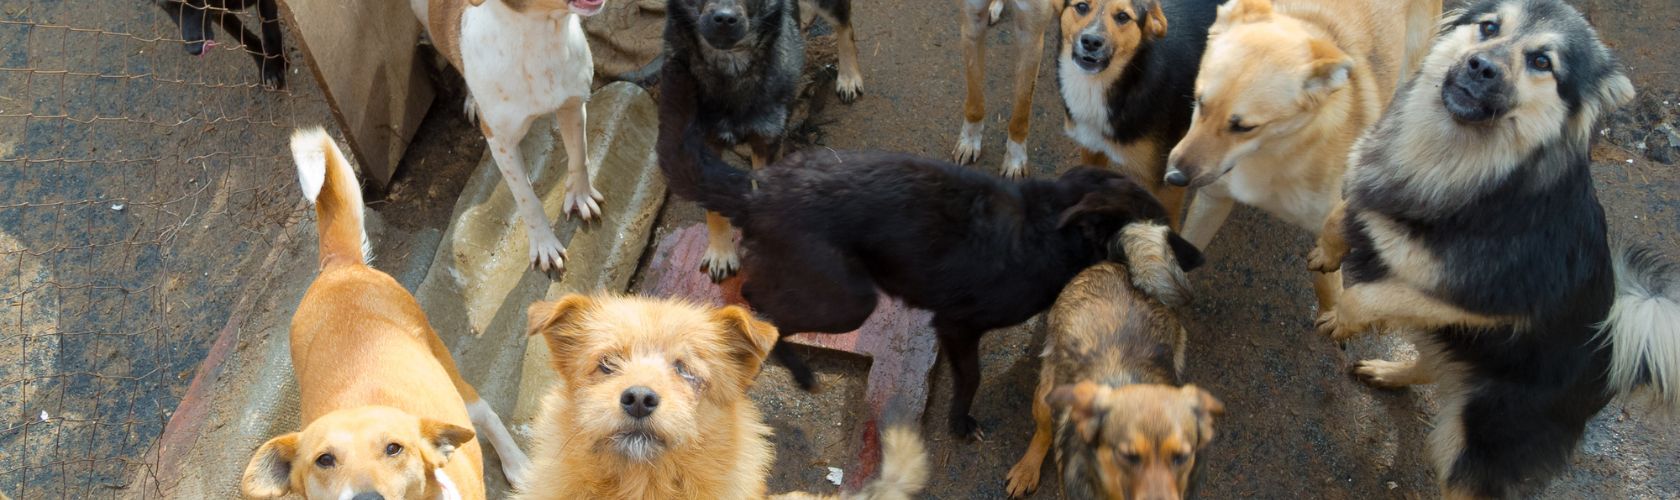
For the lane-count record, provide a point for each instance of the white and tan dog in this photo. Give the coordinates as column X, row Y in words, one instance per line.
column 523, row 59
column 385, row 413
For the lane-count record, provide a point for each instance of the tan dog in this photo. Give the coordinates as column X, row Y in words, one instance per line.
column 1283, row 92
column 1123, row 425
column 523, row 59
column 1032, row 17
column 652, row 404
column 385, row 413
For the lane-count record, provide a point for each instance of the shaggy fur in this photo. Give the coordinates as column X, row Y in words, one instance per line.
column 1472, row 224
column 826, row 228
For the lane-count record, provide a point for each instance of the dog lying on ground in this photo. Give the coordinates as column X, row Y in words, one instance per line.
column 1111, row 382
column 826, row 228
column 1283, row 92
column 522, row 59
column 1128, row 73
column 385, row 413
column 1472, row 225
column 652, row 404
column 746, row 57
column 193, row 18
column 1032, row 17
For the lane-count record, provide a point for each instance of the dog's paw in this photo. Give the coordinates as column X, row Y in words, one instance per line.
column 1015, row 160
column 720, row 263
column 1384, row 374
column 968, row 143
column 1319, row 260
column 582, row 199
column 469, row 108
column 1330, row 324
column 850, row 87
column 548, row 256
column 994, row 12
column 1023, row 478
column 274, row 75
column 966, row 427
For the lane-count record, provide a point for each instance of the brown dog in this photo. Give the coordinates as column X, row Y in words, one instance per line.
column 1032, row 17
column 652, row 404
column 1124, row 427
column 385, row 413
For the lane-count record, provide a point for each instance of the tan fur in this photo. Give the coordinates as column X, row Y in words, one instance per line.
column 1396, row 305
column 1446, row 439
column 1154, row 270
column 1032, row 18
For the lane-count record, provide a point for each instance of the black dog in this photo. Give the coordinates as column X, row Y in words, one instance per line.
column 746, row 57
column 824, row 229
column 193, row 16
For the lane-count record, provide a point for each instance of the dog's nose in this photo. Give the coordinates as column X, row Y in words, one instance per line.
column 1091, row 42
column 368, row 496
column 638, row 401
column 726, row 17
column 1482, row 69
column 1177, row 177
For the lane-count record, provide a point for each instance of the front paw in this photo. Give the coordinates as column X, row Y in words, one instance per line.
column 1023, row 478
column 1331, row 325
column 582, row 199
column 547, row 255
column 968, row 143
column 965, row 426
column 720, row 262
column 274, row 74
column 1320, row 260
column 849, row 87
column 1015, row 160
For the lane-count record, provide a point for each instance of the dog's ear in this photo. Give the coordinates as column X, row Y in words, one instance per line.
column 1155, row 21
column 1242, row 11
column 1328, row 71
column 1080, row 400
column 1205, row 407
column 749, row 339
column 557, row 323
column 1189, row 257
column 269, row 475
column 442, row 439
column 475, row 3
column 1613, row 93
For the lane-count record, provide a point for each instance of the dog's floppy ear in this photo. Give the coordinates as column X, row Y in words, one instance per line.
column 269, row 475
column 749, row 339
column 1080, row 400
column 1089, row 206
column 1329, row 69
column 557, row 323
column 1189, row 257
column 442, row 439
column 1155, row 21
column 1613, row 93
column 1205, row 406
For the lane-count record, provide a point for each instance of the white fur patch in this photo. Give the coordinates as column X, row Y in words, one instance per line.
column 310, row 152
column 446, row 486
column 1644, row 330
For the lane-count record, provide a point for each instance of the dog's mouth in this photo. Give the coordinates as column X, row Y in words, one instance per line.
column 1091, row 63
column 1467, row 105
column 587, row 8
column 637, row 444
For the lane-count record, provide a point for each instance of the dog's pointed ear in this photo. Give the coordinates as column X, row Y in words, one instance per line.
column 1615, row 92
column 1188, row 256
column 1329, row 69
column 1205, row 407
column 1242, row 11
column 557, row 323
column 750, row 339
column 442, row 439
column 269, row 474
column 1155, row 21
column 1080, row 400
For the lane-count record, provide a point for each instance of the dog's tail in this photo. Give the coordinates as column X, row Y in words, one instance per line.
column 693, row 170
column 1157, row 259
column 1644, row 324
column 904, row 470
column 328, row 182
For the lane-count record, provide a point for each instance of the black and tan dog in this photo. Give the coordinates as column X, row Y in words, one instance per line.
column 1471, row 223
column 824, row 229
column 1128, row 77
column 1124, row 425
column 746, row 56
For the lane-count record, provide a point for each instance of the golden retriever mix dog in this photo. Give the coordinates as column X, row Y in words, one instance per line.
column 652, row 404
column 1283, row 92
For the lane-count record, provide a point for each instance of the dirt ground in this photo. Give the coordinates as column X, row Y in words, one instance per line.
column 1296, row 425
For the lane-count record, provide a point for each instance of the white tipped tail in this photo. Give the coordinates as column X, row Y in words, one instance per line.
column 329, row 182
column 904, row 467
column 1154, row 269
column 1644, row 325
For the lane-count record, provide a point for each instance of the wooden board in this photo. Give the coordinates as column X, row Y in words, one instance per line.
column 364, row 55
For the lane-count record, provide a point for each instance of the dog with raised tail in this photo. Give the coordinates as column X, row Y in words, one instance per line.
column 1471, row 224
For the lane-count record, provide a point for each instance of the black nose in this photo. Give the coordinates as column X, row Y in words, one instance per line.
column 1484, row 70
column 368, row 496
column 1091, row 42
column 638, row 401
column 726, row 17
column 1176, row 177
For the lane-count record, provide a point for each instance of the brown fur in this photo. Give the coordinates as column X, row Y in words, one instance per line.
column 1110, row 382
column 1032, row 17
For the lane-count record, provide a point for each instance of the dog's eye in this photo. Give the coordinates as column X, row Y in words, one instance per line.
column 1131, row 457
column 1540, row 62
column 1082, row 8
column 393, row 449
column 1122, row 17
column 1238, row 127
column 1179, row 459
column 326, row 461
column 605, row 367
column 682, row 370
column 1488, row 29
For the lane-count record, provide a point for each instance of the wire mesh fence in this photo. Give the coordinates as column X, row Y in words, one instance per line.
column 138, row 183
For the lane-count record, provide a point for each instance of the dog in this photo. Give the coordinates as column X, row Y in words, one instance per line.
column 385, row 413
column 746, row 56
column 522, row 59
column 1125, row 424
column 1283, row 91
column 1127, row 70
column 192, row 17
column 1032, row 18
column 1471, row 224
column 824, row 229
column 652, row 404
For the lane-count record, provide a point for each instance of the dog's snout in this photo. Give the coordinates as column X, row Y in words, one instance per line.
column 726, row 17
column 1177, row 177
column 1483, row 69
column 371, row 495
column 638, row 401
column 1091, row 42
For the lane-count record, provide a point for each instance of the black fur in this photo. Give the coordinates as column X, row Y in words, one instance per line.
column 1155, row 94
column 825, row 229
column 192, row 16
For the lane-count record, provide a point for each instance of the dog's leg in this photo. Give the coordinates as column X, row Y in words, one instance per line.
column 962, row 349
column 1327, row 287
column 849, row 84
column 546, row 253
column 1208, row 211
column 1023, row 477
column 1030, row 25
column 581, row 196
column 720, row 261
column 994, row 12
column 1395, row 305
column 273, row 51
column 1332, row 241
column 801, row 372
column 1093, row 158
column 516, row 467
column 974, row 75
column 1385, row 374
